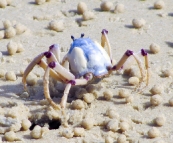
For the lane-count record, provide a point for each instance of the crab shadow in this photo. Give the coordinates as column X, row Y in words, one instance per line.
column 170, row 44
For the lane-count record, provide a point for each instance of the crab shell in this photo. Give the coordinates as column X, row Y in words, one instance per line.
column 87, row 56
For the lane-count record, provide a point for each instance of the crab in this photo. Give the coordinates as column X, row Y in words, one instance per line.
column 88, row 61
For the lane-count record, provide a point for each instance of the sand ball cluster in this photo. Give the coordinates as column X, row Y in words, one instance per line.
column 159, row 4
column 154, row 48
column 168, row 73
column 26, row 124
column 121, row 139
column 119, row 8
column 106, row 6
column 57, row 26
column 11, row 136
column 112, row 113
column 129, row 99
column 153, row 132
column 138, row 23
column 36, row 133
column 4, row 3
column 13, row 47
column 81, row 8
column 109, row 139
column 80, row 93
column 39, row 2
column 124, row 126
column 88, row 98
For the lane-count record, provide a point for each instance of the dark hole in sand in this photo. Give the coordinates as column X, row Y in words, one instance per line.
column 53, row 124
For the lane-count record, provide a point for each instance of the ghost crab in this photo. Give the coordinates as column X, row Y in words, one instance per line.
column 88, row 60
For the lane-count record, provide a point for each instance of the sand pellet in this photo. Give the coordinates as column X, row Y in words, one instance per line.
column 81, row 7
column 67, row 133
column 106, row 6
column 90, row 88
column 3, row 3
column 160, row 120
column 96, row 93
column 10, row 136
column 20, row 48
column 129, row 99
column 124, row 126
column 10, row 32
column 57, row 26
column 9, row 2
column 11, row 48
column 134, row 80
column 36, row 132
column 7, row 24
column 138, row 23
column 10, row 76
column 168, row 73
column 107, row 94
column 113, row 125
column 156, row 100
column 79, row 132
column 159, row 4
column 123, row 93
column 78, row 104
column 154, row 48
column 153, row 132
column 87, row 123
column 39, row 2
column 112, row 113
column 171, row 102
column 89, row 97
column 88, row 15
column 109, row 139
column 157, row 89
column 26, row 124
column 31, row 79
column 119, row 8
column 121, row 139
column 19, row 28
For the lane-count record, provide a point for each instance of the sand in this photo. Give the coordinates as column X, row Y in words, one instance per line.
column 138, row 115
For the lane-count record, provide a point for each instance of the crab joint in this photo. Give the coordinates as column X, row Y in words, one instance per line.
column 52, row 64
column 104, row 31
column 143, row 52
column 129, row 53
column 72, row 82
column 47, row 54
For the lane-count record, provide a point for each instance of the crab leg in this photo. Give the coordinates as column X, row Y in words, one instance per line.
column 30, row 67
column 104, row 39
column 55, row 49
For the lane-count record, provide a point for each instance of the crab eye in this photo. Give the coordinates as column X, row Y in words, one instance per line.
column 72, row 37
column 82, row 35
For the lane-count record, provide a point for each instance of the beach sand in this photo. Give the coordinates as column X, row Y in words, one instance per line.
column 99, row 120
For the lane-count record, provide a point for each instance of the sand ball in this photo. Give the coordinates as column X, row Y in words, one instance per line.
column 109, row 139
column 10, row 32
column 168, row 73
column 78, row 104
column 121, row 139
column 10, row 136
column 2, row 73
column 44, row 130
column 10, row 76
column 96, row 94
column 9, row 2
column 154, row 48
column 87, row 123
column 106, row 6
column 156, row 100
column 81, row 7
column 31, row 79
column 156, row 89
column 124, row 126
column 11, row 48
column 153, row 132
column 88, row 97
column 80, row 93
column 88, row 15
column 57, row 26
column 160, row 121
column 79, row 132
column 113, row 125
column 112, row 113
column 107, row 94
column 40, row 1
column 67, row 133
column 2, row 34
column 134, row 80
column 26, row 124
column 119, row 8
column 3, row 3
column 19, row 28
column 159, row 4
column 171, row 102
column 20, row 48
column 36, row 133
column 138, row 23
column 129, row 99
column 7, row 24
column 90, row 88
column 24, row 95
column 123, row 93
